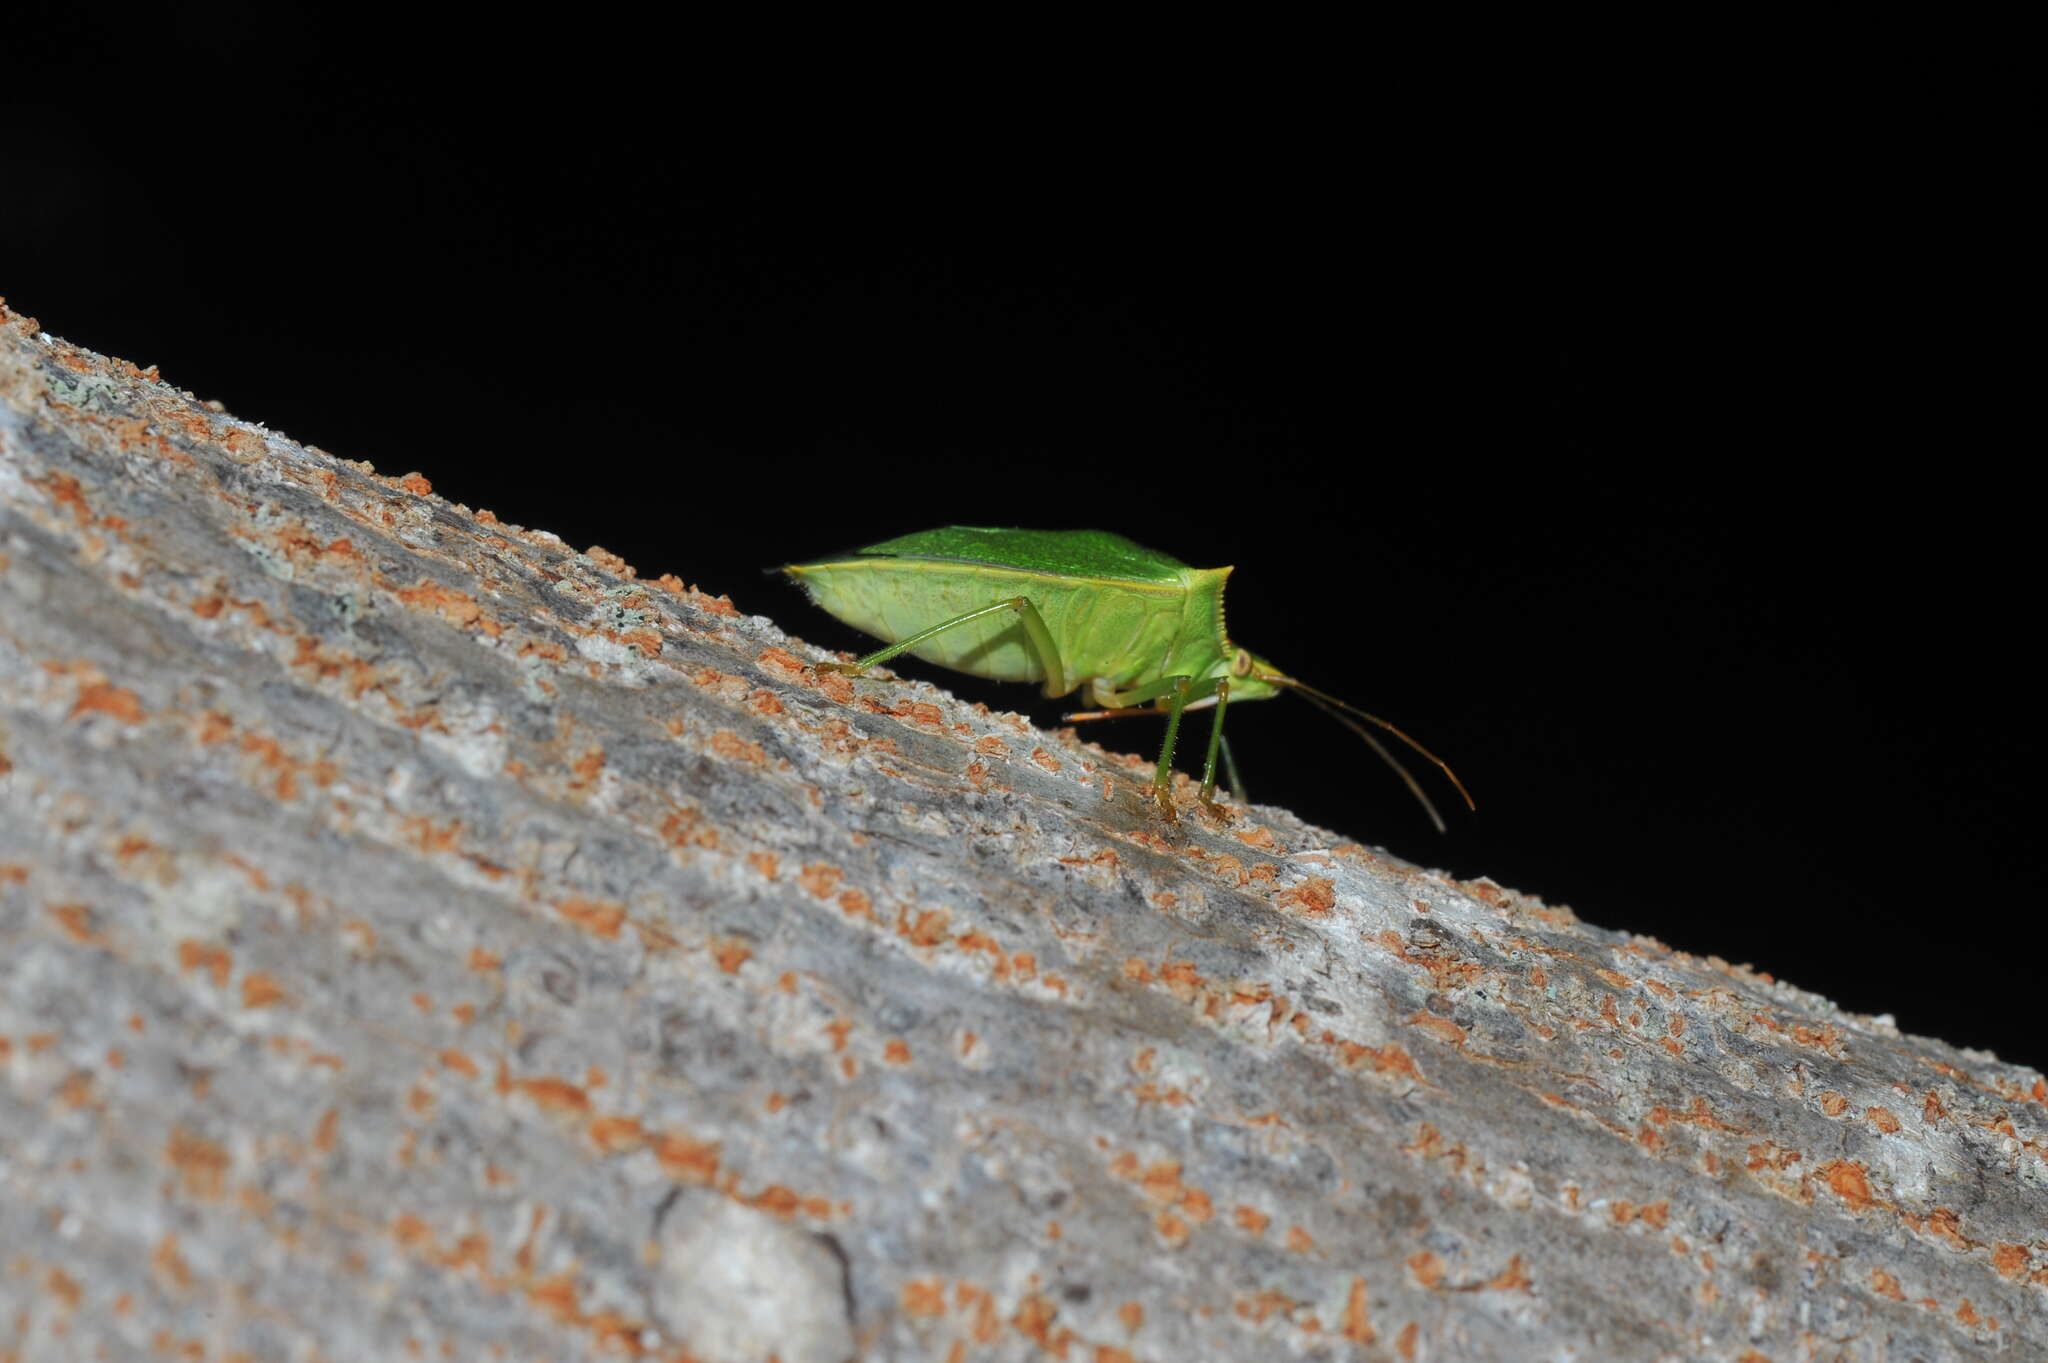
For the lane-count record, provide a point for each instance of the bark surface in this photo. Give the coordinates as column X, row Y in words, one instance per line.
column 421, row 939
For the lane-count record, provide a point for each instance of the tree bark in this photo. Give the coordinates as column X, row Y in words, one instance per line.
column 418, row 938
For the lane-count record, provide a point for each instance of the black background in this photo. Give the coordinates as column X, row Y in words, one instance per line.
column 1657, row 467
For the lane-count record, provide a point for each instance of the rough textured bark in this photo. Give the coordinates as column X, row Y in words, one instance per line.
column 420, row 939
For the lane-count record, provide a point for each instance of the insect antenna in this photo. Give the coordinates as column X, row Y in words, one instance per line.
column 1342, row 712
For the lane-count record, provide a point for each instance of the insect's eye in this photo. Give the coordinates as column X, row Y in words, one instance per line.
column 1241, row 665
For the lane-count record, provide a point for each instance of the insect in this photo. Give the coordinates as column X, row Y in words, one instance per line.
column 1071, row 609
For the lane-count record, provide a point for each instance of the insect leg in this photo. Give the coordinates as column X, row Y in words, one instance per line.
column 1175, row 693
column 1035, row 632
column 1236, row 781
column 1215, row 738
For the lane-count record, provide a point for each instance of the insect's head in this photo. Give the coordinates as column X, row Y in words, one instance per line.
column 1252, row 677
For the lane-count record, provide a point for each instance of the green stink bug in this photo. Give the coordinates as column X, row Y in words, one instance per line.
column 1072, row 608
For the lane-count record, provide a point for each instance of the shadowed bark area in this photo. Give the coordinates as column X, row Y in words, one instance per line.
column 417, row 935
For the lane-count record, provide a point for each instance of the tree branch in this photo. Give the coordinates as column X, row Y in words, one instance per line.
column 415, row 933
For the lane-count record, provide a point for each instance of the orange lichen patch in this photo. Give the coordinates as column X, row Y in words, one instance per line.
column 1356, row 1322
column 1257, row 1307
column 1443, row 1029
column 1770, row 1155
column 783, row 1202
column 1316, row 895
column 2009, row 1260
column 928, row 929
column 731, row 954
column 1832, row 1103
column 196, row 956
column 457, row 608
column 1615, row 978
column 423, row 833
column 261, row 991
column 838, row 1030
column 1933, row 1110
column 982, row 942
column 588, row 766
column 1388, row 1059
column 168, row 1263
column 104, row 698
column 13, row 873
column 76, row 1090
column 616, row 1135
column 917, row 712
column 413, row 483
column 787, row 663
column 732, row 747
column 460, row 1062
column 1941, row 1224
column 686, row 1160
column 557, row 1094
column 820, row 878
column 1299, row 1240
column 1699, row 1114
column 855, row 904
column 646, row 643
column 1849, row 1181
column 1113, row 1353
column 1132, row 1314
column 482, row 961
column 201, row 1164
column 765, row 864
column 77, row 922
column 1513, row 1278
column 67, row 493
column 556, row 1297
column 328, row 1131
column 896, row 1052
column 412, row 1232
column 1250, row 1219
column 599, row 917
column 988, row 745
column 64, row 1288
column 688, row 828
column 1044, row 759
column 924, row 1297
column 1427, row 1267
column 1033, row 1320
column 1885, row 1285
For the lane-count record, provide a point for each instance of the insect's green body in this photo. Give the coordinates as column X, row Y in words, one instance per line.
column 1121, row 616
column 1066, row 609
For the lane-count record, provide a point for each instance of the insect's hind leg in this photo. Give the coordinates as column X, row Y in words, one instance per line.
column 1035, row 634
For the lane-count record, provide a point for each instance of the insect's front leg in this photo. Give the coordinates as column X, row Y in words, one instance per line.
column 1176, row 694
column 1215, row 741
